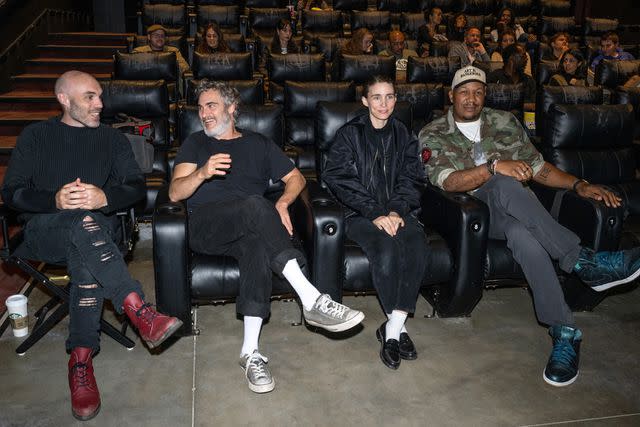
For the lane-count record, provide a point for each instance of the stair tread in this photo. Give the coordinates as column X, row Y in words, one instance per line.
column 56, row 75
column 28, row 115
column 71, row 60
column 8, row 141
column 26, row 94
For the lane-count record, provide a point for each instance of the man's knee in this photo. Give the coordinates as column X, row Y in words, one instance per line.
column 91, row 232
column 520, row 240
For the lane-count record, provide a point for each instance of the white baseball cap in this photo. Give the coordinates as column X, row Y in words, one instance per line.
column 468, row 74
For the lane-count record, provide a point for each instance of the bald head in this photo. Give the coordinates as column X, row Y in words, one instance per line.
column 79, row 96
column 396, row 42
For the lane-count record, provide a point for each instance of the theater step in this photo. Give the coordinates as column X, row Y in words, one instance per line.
column 7, row 144
column 78, row 51
column 44, row 82
column 60, row 65
column 89, row 39
column 13, row 122
column 28, row 100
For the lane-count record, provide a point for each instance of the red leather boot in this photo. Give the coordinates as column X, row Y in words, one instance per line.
column 152, row 326
column 85, row 397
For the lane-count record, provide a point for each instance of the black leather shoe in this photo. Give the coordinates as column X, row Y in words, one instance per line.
column 407, row 348
column 389, row 349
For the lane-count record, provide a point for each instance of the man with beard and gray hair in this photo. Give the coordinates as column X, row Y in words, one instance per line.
column 68, row 176
column 223, row 172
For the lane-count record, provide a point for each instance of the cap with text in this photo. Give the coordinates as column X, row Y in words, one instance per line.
column 468, row 74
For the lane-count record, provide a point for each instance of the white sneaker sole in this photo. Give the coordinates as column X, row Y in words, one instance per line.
column 355, row 320
column 264, row 388
column 610, row 285
column 557, row 384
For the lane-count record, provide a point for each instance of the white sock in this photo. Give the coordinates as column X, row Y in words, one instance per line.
column 252, row 327
column 404, row 326
column 306, row 291
column 395, row 323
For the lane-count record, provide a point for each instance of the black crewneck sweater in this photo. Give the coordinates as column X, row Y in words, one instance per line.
column 50, row 154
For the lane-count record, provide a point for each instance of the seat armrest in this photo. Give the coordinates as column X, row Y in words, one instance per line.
column 191, row 26
column 463, row 222
column 319, row 220
column 171, row 259
column 244, row 25
column 598, row 226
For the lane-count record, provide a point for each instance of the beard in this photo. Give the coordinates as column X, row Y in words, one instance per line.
column 83, row 116
column 221, row 127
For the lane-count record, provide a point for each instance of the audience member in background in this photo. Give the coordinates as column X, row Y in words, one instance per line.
column 507, row 38
column 572, row 70
column 397, row 48
column 374, row 170
column 488, row 152
column 457, row 30
column 610, row 49
column 559, row 44
column 512, row 72
column 156, row 39
column 506, row 20
column 212, row 40
column 428, row 32
column 361, row 43
column 313, row 5
column 223, row 172
column 282, row 41
column 471, row 49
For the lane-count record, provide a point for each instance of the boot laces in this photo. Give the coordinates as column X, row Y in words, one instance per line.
column 146, row 313
column 80, row 375
column 563, row 352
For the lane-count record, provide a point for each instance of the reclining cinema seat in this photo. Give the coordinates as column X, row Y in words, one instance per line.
column 183, row 277
column 457, row 249
column 147, row 100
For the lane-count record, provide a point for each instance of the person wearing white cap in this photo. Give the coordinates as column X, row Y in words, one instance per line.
column 487, row 152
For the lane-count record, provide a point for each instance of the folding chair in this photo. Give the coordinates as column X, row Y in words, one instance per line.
column 45, row 321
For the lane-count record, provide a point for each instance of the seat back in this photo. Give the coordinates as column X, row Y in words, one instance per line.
column 294, row 67
column 398, row 6
column 432, row 69
column 427, row 101
column 507, row 97
column 611, row 74
column 222, row 66
column 378, row 22
column 329, row 46
column 360, row 67
column 544, row 71
column 631, row 96
column 555, row 8
column 349, row 5
column 478, row 7
column 145, row 66
column 593, row 28
column 325, row 23
column 519, row 7
column 410, row 22
column 445, row 5
column 331, row 116
column 265, row 3
column 549, row 25
column 548, row 95
column 227, row 17
column 594, row 142
column 173, row 17
column 300, row 100
column 263, row 20
column 251, row 91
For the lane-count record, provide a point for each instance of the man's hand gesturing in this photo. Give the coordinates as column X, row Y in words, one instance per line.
column 216, row 165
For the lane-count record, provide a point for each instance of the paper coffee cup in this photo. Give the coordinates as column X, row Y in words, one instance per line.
column 530, row 120
column 18, row 315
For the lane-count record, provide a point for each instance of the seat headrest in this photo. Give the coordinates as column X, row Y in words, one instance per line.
column 506, row 97
column 360, row 67
column 553, row 24
column 296, row 66
column 589, row 126
column 146, row 66
column 135, row 98
column 222, row 66
column 349, row 5
column 615, row 73
column 545, row 70
column 266, row 18
column 322, row 21
column 432, row 69
column 251, row 91
column 555, row 8
column 171, row 16
column 300, row 98
column 226, row 16
column 262, row 119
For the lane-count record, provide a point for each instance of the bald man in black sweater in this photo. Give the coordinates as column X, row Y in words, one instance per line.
column 67, row 177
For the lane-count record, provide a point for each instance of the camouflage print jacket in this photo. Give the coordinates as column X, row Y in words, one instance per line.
column 502, row 137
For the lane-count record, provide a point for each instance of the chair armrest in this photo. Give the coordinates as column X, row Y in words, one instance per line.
column 171, row 259
column 463, row 222
column 191, row 25
column 244, row 25
column 319, row 221
column 598, row 226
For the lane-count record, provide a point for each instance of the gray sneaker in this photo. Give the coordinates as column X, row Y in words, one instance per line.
column 331, row 315
column 255, row 370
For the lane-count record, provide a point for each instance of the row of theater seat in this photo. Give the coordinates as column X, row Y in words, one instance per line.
column 577, row 138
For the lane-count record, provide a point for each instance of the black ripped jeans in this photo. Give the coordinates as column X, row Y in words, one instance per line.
column 84, row 241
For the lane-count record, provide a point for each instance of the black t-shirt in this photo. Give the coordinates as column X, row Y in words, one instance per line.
column 254, row 161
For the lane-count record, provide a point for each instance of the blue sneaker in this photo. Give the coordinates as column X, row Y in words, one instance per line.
column 604, row 270
column 562, row 367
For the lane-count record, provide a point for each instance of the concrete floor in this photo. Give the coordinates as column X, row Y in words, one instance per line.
column 485, row 370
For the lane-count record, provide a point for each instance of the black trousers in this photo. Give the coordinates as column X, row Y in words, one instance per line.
column 249, row 230
column 397, row 263
column 84, row 241
column 535, row 238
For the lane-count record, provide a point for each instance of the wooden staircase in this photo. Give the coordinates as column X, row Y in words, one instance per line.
column 31, row 98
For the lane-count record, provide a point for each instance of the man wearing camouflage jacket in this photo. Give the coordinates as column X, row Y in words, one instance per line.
column 487, row 152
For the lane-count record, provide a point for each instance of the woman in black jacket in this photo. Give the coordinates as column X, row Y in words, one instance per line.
column 373, row 169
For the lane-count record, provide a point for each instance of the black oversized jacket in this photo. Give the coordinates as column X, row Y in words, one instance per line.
column 354, row 172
